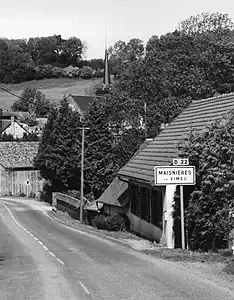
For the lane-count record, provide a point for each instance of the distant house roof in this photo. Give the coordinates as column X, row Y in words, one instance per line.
column 15, row 155
column 5, row 125
column 83, row 101
column 163, row 148
column 18, row 114
column 113, row 193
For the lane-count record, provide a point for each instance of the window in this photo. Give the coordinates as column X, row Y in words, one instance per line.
column 135, row 200
column 156, row 208
column 145, row 203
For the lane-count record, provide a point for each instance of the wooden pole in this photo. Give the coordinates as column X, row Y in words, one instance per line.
column 82, row 177
column 182, row 216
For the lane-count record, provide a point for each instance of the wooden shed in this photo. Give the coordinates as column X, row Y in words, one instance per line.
column 18, row 177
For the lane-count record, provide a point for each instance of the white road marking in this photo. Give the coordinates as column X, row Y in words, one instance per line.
column 59, row 260
column 52, row 254
column 35, row 238
column 85, row 288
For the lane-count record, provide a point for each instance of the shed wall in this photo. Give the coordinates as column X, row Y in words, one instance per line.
column 19, row 182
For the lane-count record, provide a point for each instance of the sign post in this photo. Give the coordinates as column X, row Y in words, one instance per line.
column 179, row 174
column 182, row 216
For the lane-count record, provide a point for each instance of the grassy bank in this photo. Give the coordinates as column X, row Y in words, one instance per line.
column 53, row 88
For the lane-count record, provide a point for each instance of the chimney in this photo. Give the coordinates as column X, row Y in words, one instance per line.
column 0, row 121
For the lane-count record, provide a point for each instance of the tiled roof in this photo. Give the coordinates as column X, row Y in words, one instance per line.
column 84, row 101
column 163, row 148
column 18, row 114
column 18, row 154
column 112, row 194
column 94, row 206
column 5, row 125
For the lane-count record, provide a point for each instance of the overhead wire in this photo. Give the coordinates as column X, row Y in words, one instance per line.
column 15, row 95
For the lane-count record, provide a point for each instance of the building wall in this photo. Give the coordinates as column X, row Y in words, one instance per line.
column 155, row 222
column 16, row 130
column 112, row 210
column 16, row 182
column 144, row 228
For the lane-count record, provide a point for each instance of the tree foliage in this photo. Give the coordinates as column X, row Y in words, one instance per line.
column 179, row 67
column 121, row 54
column 59, row 153
column 210, row 205
column 100, row 167
column 33, row 101
column 207, row 22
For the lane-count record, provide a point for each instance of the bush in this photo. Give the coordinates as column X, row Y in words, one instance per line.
column 21, row 194
column 57, row 72
column 99, row 73
column 32, row 195
column 100, row 222
column 75, row 72
column 38, row 73
column 116, row 222
column 86, row 72
column 71, row 71
column 46, row 71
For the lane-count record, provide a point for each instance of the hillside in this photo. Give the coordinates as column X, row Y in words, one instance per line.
column 54, row 89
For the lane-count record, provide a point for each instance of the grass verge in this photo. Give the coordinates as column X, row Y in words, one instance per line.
column 63, row 216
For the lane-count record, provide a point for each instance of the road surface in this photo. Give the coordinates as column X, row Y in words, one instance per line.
column 43, row 259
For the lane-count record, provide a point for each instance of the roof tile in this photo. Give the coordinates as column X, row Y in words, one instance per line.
column 18, row 154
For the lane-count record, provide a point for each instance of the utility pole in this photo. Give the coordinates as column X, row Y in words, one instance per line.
column 82, row 174
column 145, row 111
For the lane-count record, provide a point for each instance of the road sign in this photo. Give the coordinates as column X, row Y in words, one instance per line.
column 180, row 161
column 178, row 175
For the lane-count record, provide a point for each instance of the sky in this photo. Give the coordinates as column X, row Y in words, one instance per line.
column 90, row 19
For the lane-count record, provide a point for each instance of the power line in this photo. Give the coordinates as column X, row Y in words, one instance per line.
column 17, row 96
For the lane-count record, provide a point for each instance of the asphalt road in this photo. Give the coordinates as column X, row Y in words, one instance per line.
column 43, row 259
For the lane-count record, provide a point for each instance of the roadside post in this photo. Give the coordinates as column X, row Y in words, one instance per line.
column 180, row 173
column 82, row 170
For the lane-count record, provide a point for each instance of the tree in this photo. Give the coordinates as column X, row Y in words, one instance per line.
column 34, row 101
column 122, row 54
column 206, row 22
column 127, row 144
column 100, row 167
column 59, row 152
column 17, row 65
column 210, row 203
column 72, row 50
column 177, row 67
column 55, row 50
column 3, row 59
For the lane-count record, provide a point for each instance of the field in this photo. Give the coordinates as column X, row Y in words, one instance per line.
column 53, row 88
